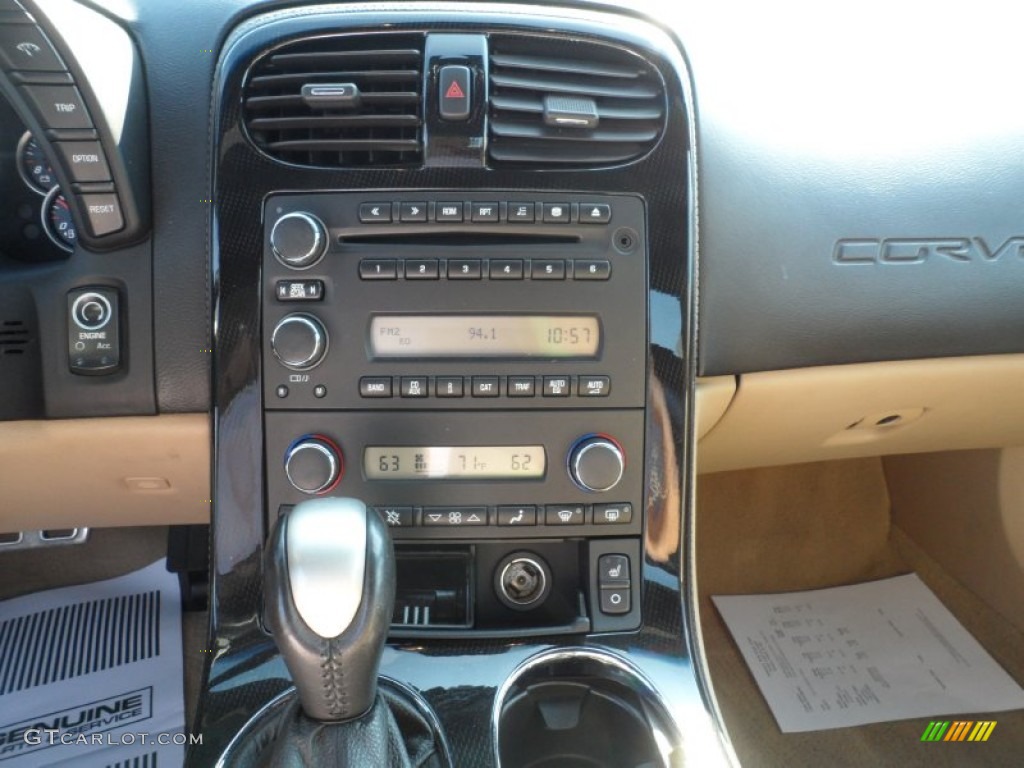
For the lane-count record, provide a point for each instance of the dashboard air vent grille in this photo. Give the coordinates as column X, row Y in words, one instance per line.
column 339, row 101
column 571, row 103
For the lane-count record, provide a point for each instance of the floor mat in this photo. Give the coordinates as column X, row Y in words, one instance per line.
column 91, row 675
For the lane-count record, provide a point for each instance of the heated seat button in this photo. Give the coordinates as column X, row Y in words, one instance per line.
column 454, row 95
column 84, row 159
column 23, row 46
column 103, row 214
column 613, row 571
column 58, row 106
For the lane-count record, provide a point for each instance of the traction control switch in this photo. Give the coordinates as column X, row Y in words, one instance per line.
column 94, row 337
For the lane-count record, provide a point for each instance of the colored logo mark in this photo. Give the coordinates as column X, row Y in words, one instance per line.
column 958, row 730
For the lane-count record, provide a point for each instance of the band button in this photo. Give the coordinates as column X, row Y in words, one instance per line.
column 375, row 386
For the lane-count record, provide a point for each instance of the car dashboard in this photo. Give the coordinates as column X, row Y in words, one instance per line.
column 542, row 285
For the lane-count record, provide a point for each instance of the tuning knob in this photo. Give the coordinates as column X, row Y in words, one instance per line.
column 314, row 464
column 596, row 463
column 299, row 240
column 299, row 341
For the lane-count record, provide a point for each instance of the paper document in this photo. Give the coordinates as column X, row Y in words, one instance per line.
column 91, row 676
column 885, row 650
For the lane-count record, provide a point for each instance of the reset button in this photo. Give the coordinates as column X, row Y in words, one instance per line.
column 103, row 214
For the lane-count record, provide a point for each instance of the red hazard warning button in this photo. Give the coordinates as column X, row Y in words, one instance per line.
column 454, row 88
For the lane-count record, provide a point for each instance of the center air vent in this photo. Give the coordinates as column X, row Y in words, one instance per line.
column 571, row 103
column 339, row 101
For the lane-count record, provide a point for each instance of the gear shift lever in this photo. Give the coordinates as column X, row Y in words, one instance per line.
column 329, row 592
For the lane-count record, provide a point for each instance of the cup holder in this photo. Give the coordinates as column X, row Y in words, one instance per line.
column 581, row 708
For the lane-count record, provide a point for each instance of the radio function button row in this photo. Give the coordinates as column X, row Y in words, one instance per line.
column 556, row 213
column 298, row 240
column 299, row 341
column 299, row 290
column 378, row 269
column 485, row 212
column 449, row 386
column 595, row 213
column 485, row 386
column 412, row 212
column 375, row 386
column 613, row 571
column 506, row 269
column 591, row 270
column 594, row 386
column 511, row 515
column 414, row 386
column 564, row 514
column 448, row 212
column 556, row 386
column 454, row 517
column 464, row 269
column 547, row 269
column 521, row 386
column 521, row 213
column 396, row 517
column 615, row 601
column 421, row 269
column 613, row 514
column 375, row 213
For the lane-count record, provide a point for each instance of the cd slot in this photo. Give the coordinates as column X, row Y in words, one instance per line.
column 475, row 238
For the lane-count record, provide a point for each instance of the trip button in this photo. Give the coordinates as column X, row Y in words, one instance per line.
column 511, row 515
column 84, row 159
column 23, row 46
column 563, row 514
column 591, row 270
column 103, row 214
column 547, row 269
column 378, row 269
column 421, row 269
column 615, row 601
column 595, row 213
column 375, row 213
column 506, row 269
column 521, row 212
column 58, row 106
column 485, row 386
column 375, row 386
column 613, row 514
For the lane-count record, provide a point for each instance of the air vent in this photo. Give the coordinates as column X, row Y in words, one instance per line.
column 339, row 101
column 14, row 337
column 571, row 103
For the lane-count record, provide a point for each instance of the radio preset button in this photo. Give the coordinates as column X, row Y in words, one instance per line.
column 421, row 269
column 557, row 213
column 563, row 514
column 299, row 290
column 594, row 386
column 613, row 514
column 414, row 386
column 464, row 269
column 485, row 386
column 521, row 212
column 591, row 270
column 375, row 386
column 375, row 213
column 448, row 212
column 454, row 517
column 522, row 386
column 396, row 517
column 486, row 212
column 595, row 213
column 511, row 515
column 411, row 212
column 378, row 269
column 556, row 386
column 449, row 386
column 547, row 269
column 506, row 269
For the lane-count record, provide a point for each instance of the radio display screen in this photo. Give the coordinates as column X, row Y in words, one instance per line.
column 481, row 336
column 437, row 462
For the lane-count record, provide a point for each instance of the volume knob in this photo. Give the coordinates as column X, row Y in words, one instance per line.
column 299, row 240
column 299, row 341
column 313, row 464
column 596, row 463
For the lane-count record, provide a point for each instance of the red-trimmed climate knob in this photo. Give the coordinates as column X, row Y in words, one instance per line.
column 314, row 464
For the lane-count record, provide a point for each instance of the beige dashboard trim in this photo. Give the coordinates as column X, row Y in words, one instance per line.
column 871, row 409
column 151, row 470
column 714, row 394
